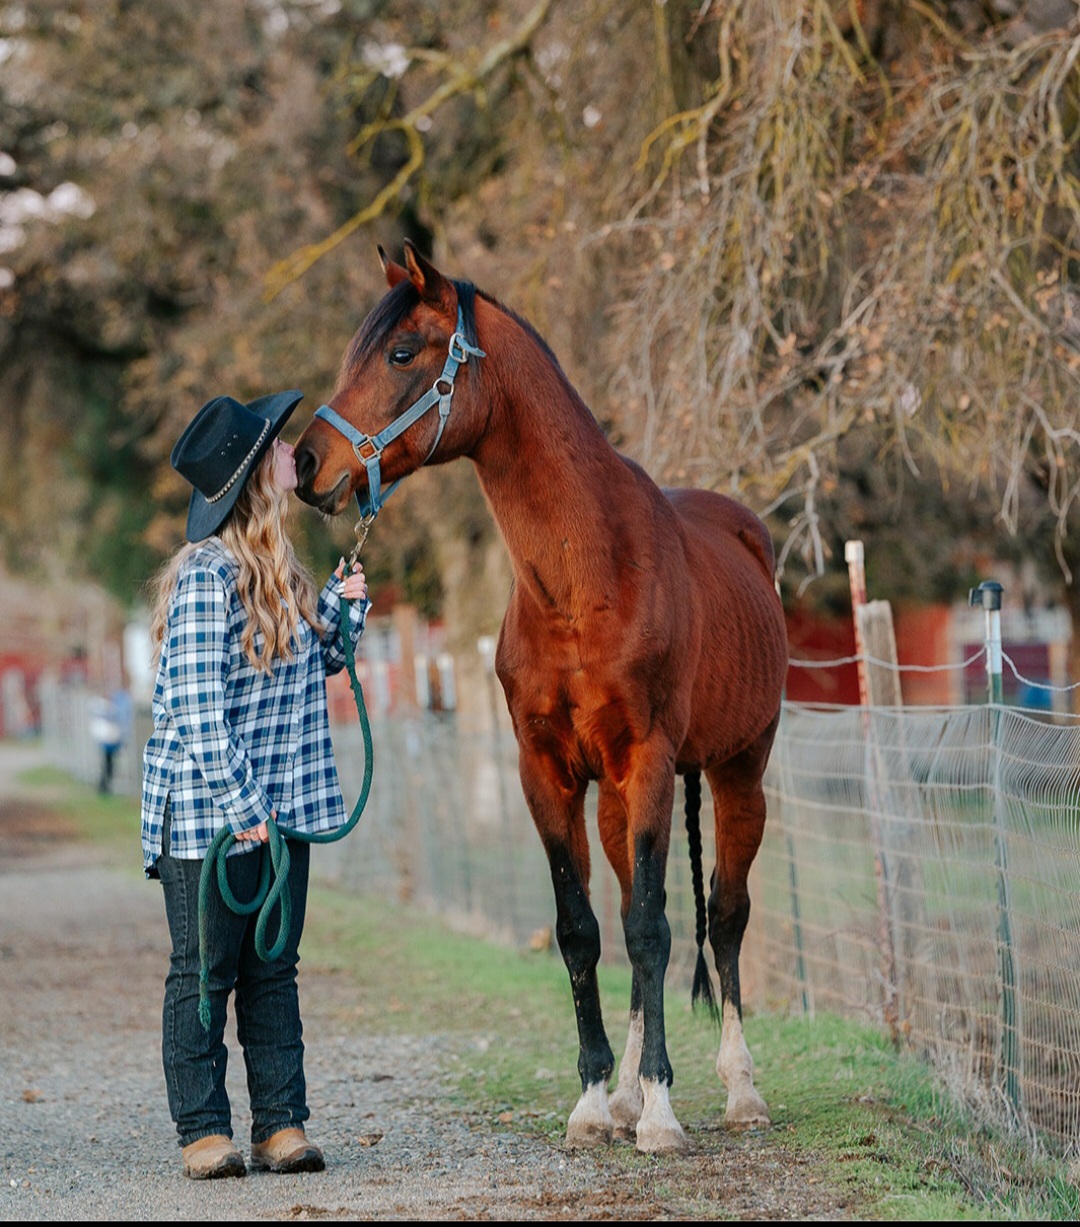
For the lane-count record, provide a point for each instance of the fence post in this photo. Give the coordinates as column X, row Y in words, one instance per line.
column 988, row 597
column 855, row 558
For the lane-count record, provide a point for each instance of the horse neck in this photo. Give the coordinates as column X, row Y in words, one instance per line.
column 556, row 487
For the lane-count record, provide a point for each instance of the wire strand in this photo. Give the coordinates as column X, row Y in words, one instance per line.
column 840, row 661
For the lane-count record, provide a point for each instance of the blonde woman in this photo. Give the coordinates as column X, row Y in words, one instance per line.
column 241, row 734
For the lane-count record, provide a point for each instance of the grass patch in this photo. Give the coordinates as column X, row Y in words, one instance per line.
column 872, row 1119
column 109, row 821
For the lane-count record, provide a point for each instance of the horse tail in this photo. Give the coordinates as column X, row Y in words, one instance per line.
column 703, row 989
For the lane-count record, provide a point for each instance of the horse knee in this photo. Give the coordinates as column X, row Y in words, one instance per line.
column 648, row 938
column 648, row 935
column 727, row 924
column 578, row 935
column 576, row 927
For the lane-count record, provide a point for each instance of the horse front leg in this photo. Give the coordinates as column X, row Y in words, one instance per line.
column 557, row 806
column 627, row 1101
column 649, row 795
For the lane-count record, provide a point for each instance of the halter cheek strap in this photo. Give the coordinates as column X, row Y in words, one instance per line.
column 369, row 448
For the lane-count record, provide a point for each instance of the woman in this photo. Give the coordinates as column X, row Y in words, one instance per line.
column 241, row 735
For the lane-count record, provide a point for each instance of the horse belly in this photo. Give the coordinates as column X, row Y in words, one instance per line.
column 742, row 659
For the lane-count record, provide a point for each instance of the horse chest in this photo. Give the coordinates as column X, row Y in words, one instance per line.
column 582, row 714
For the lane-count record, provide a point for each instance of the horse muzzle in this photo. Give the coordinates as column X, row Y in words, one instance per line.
column 330, row 502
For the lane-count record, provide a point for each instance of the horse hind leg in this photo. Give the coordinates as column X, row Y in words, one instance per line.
column 739, row 801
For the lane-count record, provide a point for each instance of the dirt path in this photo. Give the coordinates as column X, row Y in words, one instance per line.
column 86, row 1133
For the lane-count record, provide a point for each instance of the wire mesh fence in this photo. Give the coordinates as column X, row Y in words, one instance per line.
column 920, row 869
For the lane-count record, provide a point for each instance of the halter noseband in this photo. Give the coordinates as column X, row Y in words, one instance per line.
column 369, row 448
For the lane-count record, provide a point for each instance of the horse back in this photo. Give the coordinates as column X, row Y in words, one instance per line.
column 724, row 525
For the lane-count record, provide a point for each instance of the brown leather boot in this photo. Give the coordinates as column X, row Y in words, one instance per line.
column 212, row 1158
column 288, row 1150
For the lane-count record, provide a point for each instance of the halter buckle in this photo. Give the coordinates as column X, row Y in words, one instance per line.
column 369, row 443
column 457, row 349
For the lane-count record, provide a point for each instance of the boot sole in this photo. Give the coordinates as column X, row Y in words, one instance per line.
column 308, row 1162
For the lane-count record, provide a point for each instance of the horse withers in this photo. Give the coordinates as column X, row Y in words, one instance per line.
column 643, row 638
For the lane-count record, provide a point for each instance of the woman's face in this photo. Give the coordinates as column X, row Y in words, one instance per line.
column 283, row 467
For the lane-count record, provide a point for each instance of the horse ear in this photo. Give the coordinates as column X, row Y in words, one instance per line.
column 394, row 272
column 430, row 284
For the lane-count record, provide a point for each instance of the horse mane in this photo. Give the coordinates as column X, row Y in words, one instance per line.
column 398, row 302
column 521, row 321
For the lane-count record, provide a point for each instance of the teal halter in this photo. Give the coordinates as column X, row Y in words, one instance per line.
column 369, row 448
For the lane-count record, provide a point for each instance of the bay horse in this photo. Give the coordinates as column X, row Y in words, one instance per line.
column 643, row 638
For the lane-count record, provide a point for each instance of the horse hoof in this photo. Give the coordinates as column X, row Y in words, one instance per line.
column 583, row 1134
column 590, row 1123
column 658, row 1130
column 625, row 1112
column 747, row 1112
column 661, row 1140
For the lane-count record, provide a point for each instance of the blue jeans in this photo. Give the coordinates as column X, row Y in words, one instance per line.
column 267, row 1005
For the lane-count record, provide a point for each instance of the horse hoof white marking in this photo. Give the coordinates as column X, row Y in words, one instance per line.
column 658, row 1132
column 747, row 1111
column 745, row 1107
column 590, row 1123
column 626, row 1112
column 627, row 1102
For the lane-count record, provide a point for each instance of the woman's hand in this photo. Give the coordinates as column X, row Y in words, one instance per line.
column 259, row 834
column 354, row 587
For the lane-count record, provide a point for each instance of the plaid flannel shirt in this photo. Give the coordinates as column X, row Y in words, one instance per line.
column 231, row 743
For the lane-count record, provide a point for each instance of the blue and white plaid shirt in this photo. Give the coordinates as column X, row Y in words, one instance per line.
column 232, row 743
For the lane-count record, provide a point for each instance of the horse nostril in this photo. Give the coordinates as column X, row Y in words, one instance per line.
column 306, row 467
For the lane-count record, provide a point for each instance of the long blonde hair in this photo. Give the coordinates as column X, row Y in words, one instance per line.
column 275, row 587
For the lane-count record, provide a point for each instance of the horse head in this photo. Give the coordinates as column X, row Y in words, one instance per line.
column 399, row 379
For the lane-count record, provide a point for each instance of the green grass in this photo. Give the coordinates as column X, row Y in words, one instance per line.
column 867, row 1121
column 111, row 822
column 876, row 1126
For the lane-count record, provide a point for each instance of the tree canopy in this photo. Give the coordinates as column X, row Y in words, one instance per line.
column 819, row 254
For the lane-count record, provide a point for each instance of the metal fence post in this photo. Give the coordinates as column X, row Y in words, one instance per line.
column 988, row 597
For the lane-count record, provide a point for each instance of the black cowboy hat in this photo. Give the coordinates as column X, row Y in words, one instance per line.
column 221, row 445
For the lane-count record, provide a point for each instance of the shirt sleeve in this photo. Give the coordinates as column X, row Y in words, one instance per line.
column 194, row 698
column 330, row 603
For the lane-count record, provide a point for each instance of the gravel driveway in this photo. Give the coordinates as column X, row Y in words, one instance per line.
column 86, row 1132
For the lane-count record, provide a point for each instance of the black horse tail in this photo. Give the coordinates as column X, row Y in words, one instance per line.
column 703, row 989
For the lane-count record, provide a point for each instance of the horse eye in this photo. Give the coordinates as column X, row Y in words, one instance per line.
column 400, row 356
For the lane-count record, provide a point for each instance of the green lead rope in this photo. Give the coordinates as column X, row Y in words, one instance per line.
column 274, row 870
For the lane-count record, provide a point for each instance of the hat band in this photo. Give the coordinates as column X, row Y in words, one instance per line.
column 213, row 498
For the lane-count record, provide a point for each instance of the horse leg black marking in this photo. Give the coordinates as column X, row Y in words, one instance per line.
column 648, row 943
column 556, row 800
column 626, row 1101
column 578, row 935
column 739, row 800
